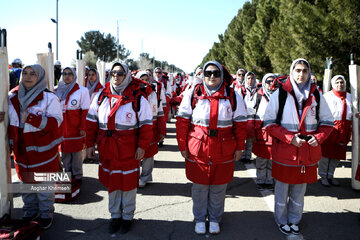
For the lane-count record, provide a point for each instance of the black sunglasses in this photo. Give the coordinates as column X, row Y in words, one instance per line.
column 158, row 72
column 118, row 73
column 216, row 73
column 269, row 81
column 241, row 74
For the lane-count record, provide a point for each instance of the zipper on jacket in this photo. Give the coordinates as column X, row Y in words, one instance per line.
column 302, row 169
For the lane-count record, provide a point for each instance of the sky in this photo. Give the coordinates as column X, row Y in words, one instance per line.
column 180, row 32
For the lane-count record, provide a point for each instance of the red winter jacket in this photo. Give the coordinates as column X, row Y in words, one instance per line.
column 35, row 146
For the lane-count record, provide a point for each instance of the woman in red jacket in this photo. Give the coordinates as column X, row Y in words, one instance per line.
column 34, row 135
column 75, row 103
column 297, row 133
column 334, row 147
column 93, row 83
column 120, row 123
column 211, row 132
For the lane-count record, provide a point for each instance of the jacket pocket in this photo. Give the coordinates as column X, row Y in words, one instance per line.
column 228, row 147
column 195, row 141
column 285, row 153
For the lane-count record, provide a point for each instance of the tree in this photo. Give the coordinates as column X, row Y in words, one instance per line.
column 90, row 59
column 255, row 57
column 102, row 46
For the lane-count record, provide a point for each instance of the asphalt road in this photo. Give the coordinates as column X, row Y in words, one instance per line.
column 164, row 207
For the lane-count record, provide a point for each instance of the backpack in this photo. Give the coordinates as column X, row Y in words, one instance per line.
column 282, row 100
column 230, row 92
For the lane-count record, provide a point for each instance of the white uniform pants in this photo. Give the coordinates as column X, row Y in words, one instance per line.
column 208, row 201
column 147, row 168
column 72, row 162
column 122, row 204
column 41, row 202
column 248, row 149
column 263, row 171
column 289, row 202
column 327, row 167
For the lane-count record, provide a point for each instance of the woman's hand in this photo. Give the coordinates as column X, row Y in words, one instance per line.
column 313, row 141
column 185, row 153
column 237, row 155
column 296, row 141
column 139, row 154
column 357, row 115
column 90, row 152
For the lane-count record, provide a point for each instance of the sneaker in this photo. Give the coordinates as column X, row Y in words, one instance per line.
column 324, row 182
column 45, row 223
column 200, row 228
column 142, row 184
column 125, row 226
column 333, row 182
column 114, row 225
column 285, row 229
column 294, row 228
column 214, row 228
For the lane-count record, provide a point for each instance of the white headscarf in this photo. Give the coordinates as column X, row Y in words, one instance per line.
column 237, row 72
column 263, row 84
column 91, row 86
column 333, row 80
column 154, row 74
column 210, row 90
column 26, row 96
column 63, row 88
column 254, row 84
column 301, row 91
column 142, row 73
column 119, row 89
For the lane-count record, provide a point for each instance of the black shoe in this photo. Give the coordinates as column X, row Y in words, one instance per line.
column 45, row 223
column 126, row 225
column 269, row 186
column 334, row 182
column 285, row 229
column 161, row 144
column 114, row 225
column 261, row 186
column 294, row 229
column 245, row 160
column 29, row 219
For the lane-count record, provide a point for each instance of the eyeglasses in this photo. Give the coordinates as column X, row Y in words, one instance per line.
column 118, row 73
column 67, row 73
column 216, row 73
column 241, row 74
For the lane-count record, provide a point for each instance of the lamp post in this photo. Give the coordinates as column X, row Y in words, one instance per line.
column 57, row 30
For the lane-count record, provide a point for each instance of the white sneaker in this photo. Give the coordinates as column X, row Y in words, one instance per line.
column 214, row 228
column 142, row 183
column 200, row 228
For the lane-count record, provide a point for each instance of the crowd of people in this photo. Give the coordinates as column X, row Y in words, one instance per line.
column 284, row 120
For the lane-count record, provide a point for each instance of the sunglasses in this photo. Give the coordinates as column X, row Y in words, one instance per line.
column 158, row 72
column 67, row 74
column 269, row 81
column 241, row 74
column 118, row 73
column 216, row 73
